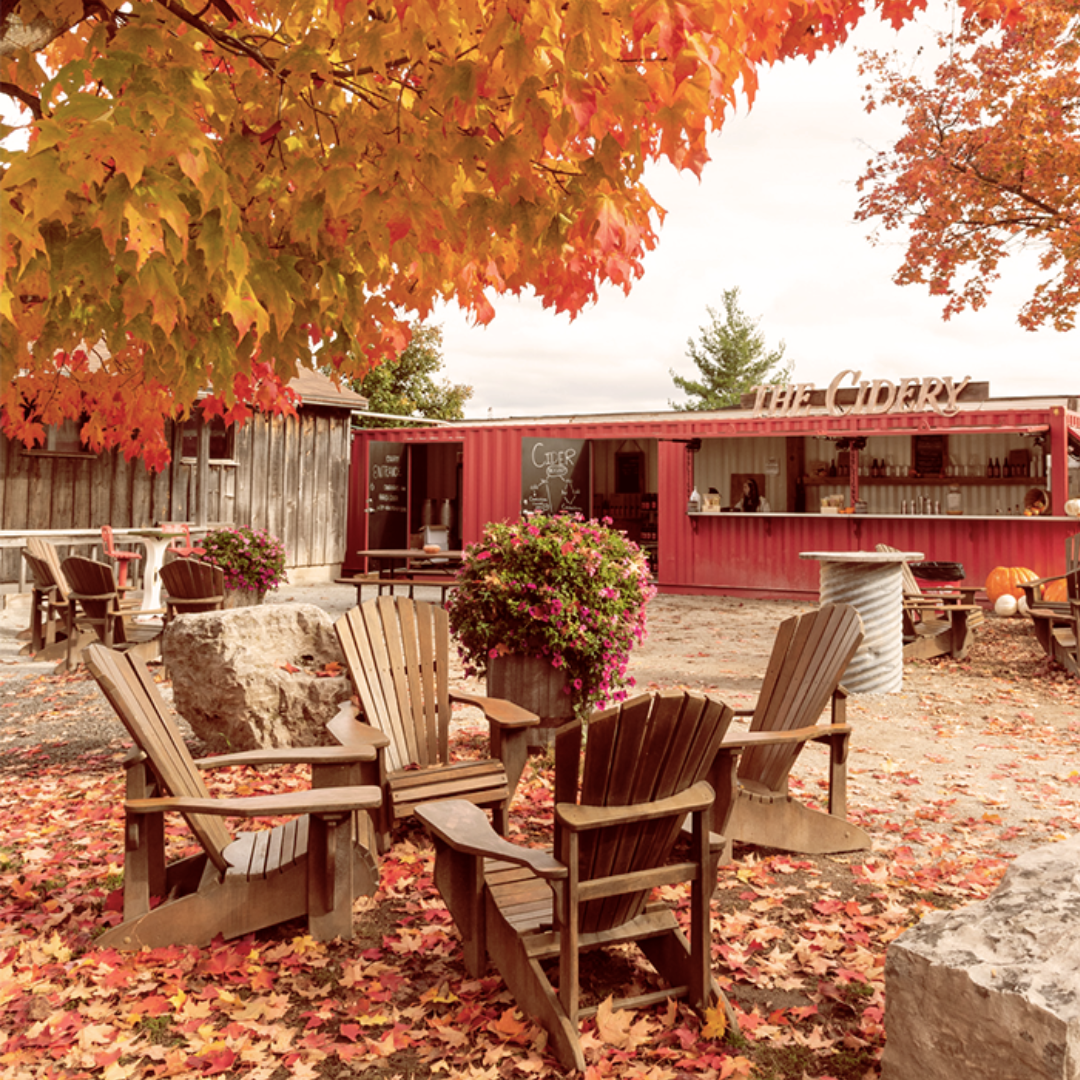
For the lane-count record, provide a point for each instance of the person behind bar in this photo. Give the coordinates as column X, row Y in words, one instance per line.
column 752, row 501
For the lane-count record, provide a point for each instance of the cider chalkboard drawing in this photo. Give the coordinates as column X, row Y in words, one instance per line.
column 554, row 475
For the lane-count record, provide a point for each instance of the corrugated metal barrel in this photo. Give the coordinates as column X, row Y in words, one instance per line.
column 872, row 583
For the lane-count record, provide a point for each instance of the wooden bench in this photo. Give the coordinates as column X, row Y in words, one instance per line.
column 411, row 578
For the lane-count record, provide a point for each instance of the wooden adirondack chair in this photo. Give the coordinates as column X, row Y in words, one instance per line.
column 398, row 654
column 644, row 769
column 93, row 590
column 48, row 607
column 191, row 587
column 809, row 657
column 937, row 621
column 1053, row 619
column 311, row 865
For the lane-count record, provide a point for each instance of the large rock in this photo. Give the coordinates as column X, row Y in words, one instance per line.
column 232, row 679
column 992, row 990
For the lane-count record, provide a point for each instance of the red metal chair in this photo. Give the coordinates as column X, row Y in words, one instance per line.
column 122, row 557
column 182, row 548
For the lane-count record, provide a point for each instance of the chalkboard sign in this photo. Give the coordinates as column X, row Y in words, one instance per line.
column 555, row 475
column 387, row 502
column 928, row 454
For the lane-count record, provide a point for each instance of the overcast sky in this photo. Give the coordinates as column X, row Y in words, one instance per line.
column 773, row 215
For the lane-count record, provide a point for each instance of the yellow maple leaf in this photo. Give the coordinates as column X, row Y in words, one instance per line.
column 56, row 948
column 715, row 1026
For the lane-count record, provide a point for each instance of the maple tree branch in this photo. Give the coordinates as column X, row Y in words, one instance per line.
column 31, row 101
column 230, row 42
column 1013, row 189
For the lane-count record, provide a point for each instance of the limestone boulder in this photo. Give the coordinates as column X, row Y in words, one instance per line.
column 992, row 990
column 247, row 678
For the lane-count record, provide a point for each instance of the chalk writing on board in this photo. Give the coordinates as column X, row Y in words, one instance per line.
column 554, row 475
column 387, row 494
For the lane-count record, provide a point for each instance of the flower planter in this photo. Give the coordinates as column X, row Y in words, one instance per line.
column 534, row 684
column 235, row 598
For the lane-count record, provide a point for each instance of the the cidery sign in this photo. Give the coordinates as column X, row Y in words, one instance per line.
column 849, row 394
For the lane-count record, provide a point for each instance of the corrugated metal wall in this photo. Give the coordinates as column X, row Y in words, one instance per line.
column 759, row 555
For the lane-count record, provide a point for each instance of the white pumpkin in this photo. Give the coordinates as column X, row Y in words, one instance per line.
column 1072, row 507
column 1005, row 605
column 1022, row 606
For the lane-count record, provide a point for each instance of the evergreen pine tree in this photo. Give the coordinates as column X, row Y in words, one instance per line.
column 732, row 358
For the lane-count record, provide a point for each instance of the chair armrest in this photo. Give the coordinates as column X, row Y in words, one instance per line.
column 816, row 733
column 1029, row 587
column 292, row 755
column 464, row 827
column 583, row 818
column 497, row 710
column 351, row 732
column 343, row 800
column 1025, row 585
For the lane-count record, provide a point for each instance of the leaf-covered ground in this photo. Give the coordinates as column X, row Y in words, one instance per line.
column 971, row 764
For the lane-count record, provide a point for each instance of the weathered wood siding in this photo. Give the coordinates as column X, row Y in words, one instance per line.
column 290, row 476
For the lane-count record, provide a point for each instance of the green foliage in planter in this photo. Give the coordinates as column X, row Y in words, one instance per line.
column 558, row 587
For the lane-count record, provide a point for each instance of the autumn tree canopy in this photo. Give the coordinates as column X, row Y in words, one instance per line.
column 216, row 192
column 989, row 162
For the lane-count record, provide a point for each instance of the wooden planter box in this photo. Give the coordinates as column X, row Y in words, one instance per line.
column 535, row 685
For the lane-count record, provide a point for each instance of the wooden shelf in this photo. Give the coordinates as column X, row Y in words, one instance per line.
column 940, row 481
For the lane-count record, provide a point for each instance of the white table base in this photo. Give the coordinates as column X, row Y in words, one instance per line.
column 872, row 582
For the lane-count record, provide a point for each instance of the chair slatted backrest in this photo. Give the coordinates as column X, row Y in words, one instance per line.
column 40, row 572
column 42, row 549
column 808, row 660
column 93, row 585
column 911, row 584
column 398, row 654
column 193, row 585
column 132, row 692
column 651, row 747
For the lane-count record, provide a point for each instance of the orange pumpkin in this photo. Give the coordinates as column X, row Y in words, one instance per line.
column 1057, row 592
column 1004, row 580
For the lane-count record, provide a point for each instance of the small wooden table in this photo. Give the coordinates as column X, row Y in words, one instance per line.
column 872, row 582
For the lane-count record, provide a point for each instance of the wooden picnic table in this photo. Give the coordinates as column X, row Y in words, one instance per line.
column 405, row 566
